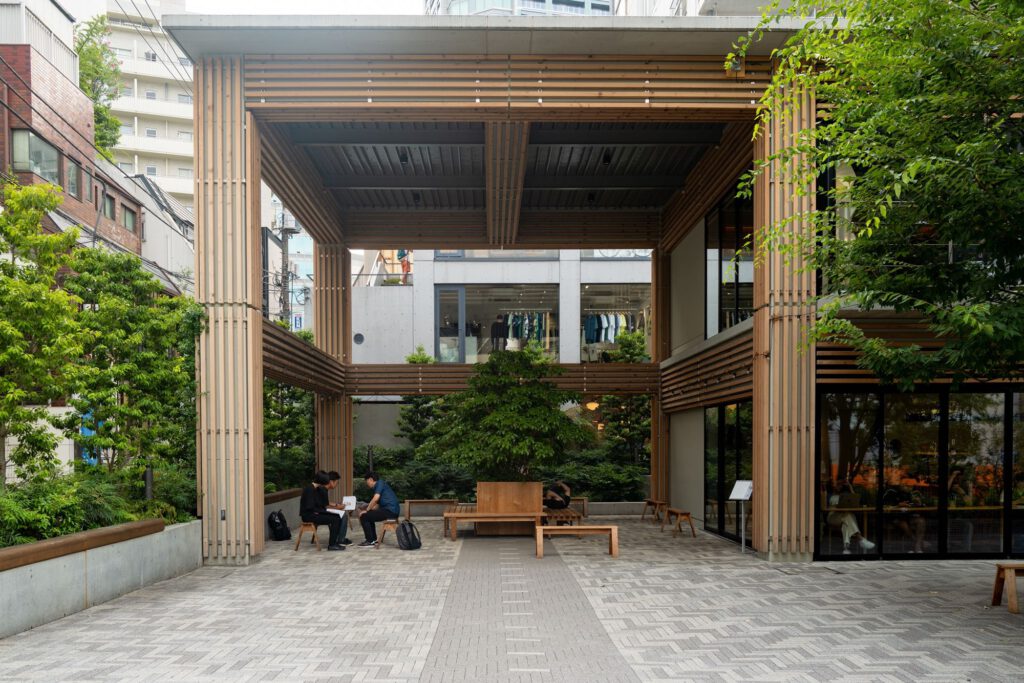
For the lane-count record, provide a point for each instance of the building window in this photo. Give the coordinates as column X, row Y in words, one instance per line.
column 728, row 457
column 128, row 218
column 150, row 56
column 73, row 186
column 608, row 311
column 126, row 166
column 33, row 154
column 151, row 132
column 184, row 172
column 122, row 52
column 184, row 99
column 151, row 94
column 127, row 129
column 151, row 170
column 127, row 91
column 471, row 321
column 185, row 135
column 729, row 234
column 108, row 206
column 185, row 61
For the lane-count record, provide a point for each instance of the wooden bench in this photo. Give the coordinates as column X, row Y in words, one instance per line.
column 453, row 518
column 582, row 504
column 612, row 531
column 311, row 528
column 679, row 516
column 563, row 515
column 657, row 506
column 447, row 502
column 1006, row 576
column 386, row 524
column 456, row 507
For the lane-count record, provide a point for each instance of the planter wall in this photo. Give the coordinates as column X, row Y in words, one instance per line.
column 51, row 579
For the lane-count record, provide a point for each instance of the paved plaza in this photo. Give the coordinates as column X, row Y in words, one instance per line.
column 669, row 609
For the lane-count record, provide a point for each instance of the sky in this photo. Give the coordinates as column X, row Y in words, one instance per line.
column 306, row 7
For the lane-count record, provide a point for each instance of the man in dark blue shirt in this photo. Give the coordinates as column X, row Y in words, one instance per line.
column 383, row 505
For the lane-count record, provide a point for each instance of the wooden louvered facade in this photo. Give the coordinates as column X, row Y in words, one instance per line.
column 723, row 373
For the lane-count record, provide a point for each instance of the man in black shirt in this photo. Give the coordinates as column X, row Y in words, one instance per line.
column 313, row 509
column 335, row 478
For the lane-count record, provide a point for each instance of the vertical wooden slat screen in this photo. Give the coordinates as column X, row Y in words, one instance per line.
column 330, row 329
column 783, row 360
column 505, row 151
column 661, row 273
column 229, row 286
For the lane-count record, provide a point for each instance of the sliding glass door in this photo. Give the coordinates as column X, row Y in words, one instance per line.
column 728, row 457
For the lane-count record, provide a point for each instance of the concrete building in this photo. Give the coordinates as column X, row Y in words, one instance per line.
column 155, row 106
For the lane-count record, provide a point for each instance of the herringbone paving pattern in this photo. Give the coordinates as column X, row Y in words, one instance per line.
column 669, row 609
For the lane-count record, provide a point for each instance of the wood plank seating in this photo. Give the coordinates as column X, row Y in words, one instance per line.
column 679, row 515
column 447, row 502
column 611, row 530
column 656, row 506
column 454, row 517
column 386, row 524
column 311, row 528
column 566, row 515
column 1006, row 576
column 582, row 504
column 457, row 507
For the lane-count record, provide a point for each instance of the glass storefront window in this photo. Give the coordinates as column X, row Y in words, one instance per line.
column 627, row 254
column 911, row 477
column 474, row 320
column 848, row 433
column 29, row 152
column 974, row 485
column 728, row 457
column 1017, row 479
column 497, row 254
column 729, row 234
column 711, row 495
column 608, row 311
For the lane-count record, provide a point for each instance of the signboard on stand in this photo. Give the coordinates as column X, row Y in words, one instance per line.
column 742, row 490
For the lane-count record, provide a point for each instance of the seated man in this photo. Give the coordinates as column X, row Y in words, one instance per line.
column 313, row 509
column 383, row 505
column 333, row 484
column 557, row 497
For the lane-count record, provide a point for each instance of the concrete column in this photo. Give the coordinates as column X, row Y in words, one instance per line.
column 569, row 277
column 229, row 437
column 423, row 299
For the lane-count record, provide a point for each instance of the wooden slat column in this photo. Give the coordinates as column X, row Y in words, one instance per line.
column 784, row 397
column 331, row 325
column 229, row 438
column 505, row 151
column 661, row 348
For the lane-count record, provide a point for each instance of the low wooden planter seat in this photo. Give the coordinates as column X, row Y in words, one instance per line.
column 611, row 530
column 453, row 518
column 1006, row 577
column 679, row 516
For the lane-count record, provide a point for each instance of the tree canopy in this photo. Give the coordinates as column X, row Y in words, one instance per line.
column 99, row 77
column 922, row 130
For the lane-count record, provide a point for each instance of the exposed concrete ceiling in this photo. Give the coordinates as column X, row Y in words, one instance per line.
column 202, row 35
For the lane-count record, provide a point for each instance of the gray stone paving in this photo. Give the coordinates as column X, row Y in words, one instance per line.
column 669, row 609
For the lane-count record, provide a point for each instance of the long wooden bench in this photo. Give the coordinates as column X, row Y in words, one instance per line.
column 1006, row 576
column 455, row 507
column 567, row 515
column 447, row 502
column 611, row 530
column 453, row 518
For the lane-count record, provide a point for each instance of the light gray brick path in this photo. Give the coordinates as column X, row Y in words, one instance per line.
column 511, row 617
column 669, row 609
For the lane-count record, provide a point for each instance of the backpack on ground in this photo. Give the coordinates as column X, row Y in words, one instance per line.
column 279, row 526
column 408, row 536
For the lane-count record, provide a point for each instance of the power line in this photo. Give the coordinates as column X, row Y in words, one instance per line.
column 135, row 27
column 175, row 60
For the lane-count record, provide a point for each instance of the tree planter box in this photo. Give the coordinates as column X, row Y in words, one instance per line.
column 508, row 496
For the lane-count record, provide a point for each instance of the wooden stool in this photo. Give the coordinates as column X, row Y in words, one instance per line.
column 385, row 525
column 680, row 516
column 656, row 506
column 1006, row 573
column 311, row 528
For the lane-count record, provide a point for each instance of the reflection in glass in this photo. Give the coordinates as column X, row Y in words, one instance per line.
column 711, row 522
column 911, row 473
column 1017, row 493
column 728, row 456
column 606, row 312
column 448, row 323
column 849, row 473
column 975, row 483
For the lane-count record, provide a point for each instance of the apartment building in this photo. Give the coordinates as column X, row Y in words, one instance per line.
column 155, row 106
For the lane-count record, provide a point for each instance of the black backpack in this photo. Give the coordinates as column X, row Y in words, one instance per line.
column 408, row 536
column 279, row 526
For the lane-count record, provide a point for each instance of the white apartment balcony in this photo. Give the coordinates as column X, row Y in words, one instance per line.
column 160, row 108
column 160, row 68
column 175, row 185
column 159, row 146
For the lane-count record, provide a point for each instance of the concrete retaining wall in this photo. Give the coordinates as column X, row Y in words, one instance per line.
column 289, row 507
column 35, row 594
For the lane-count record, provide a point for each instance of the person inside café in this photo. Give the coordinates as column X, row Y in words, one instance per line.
column 847, row 500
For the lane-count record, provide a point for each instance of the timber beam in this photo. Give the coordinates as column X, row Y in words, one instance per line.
column 295, row 362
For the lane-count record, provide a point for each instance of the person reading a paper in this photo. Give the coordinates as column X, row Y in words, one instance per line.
column 383, row 505
column 314, row 508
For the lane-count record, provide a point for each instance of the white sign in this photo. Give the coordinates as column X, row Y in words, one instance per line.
column 743, row 490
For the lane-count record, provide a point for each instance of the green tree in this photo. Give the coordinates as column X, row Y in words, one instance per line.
column 99, row 77
column 924, row 129
column 288, row 449
column 417, row 412
column 132, row 374
column 38, row 333
column 508, row 422
column 627, row 419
